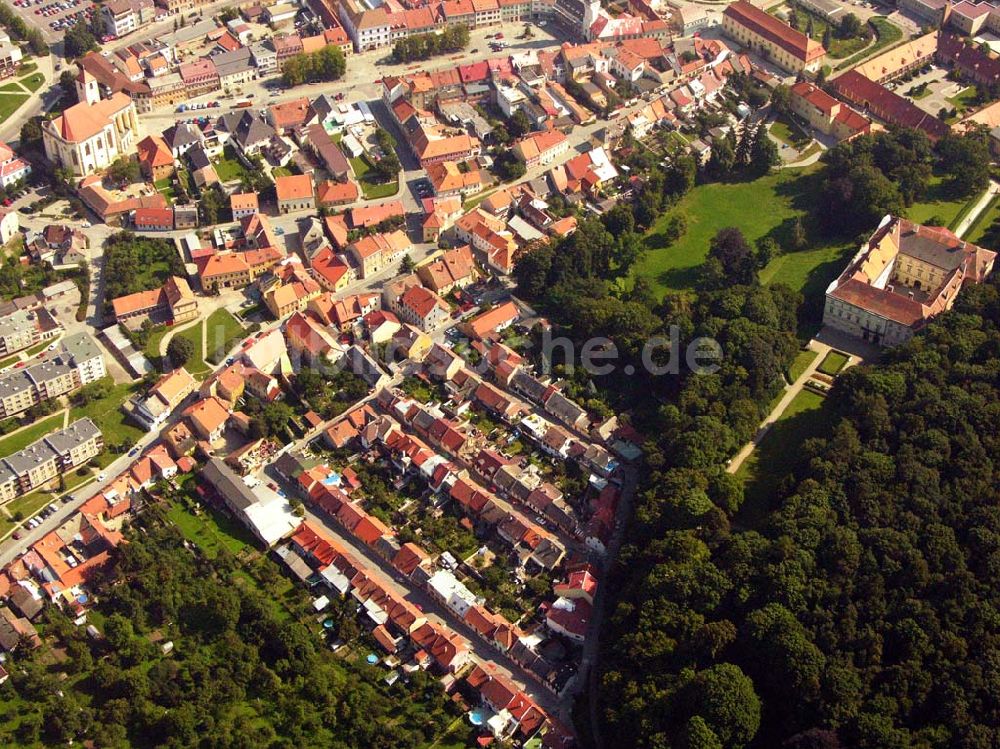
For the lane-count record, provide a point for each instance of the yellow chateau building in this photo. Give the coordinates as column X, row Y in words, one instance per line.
column 772, row 38
column 904, row 276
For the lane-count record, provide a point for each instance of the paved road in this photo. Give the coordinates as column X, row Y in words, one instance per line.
column 981, row 205
column 11, row 548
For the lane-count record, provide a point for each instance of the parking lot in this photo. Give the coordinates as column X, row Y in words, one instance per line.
column 53, row 17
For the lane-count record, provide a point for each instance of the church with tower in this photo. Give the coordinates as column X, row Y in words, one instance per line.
column 87, row 137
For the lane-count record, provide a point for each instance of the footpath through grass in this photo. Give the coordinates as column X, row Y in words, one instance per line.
column 800, row 364
column 887, row 33
column 222, row 331
column 778, row 454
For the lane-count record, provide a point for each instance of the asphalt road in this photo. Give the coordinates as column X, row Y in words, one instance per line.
column 11, row 548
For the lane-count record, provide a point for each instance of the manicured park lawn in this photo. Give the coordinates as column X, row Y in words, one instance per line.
column 12, row 86
column 832, row 363
column 33, row 82
column 777, row 455
column 809, row 270
column 986, row 230
column 757, row 208
column 20, row 440
column 222, row 331
column 888, row 34
column 9, row 103
column 938, row 204
column 195, row 365
column 785, row 130
column 800, row 364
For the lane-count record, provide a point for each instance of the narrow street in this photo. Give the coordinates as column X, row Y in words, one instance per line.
column 390, row 579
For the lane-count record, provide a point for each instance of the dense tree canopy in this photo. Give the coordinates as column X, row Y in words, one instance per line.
column 243, row 671
column 453, row 38
column 856, row 613
column 134, row 263
column 326, row 64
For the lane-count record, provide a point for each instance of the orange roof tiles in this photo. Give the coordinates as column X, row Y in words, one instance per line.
column 293, row 187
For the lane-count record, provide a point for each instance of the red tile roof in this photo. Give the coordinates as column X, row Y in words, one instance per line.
column 774, row 30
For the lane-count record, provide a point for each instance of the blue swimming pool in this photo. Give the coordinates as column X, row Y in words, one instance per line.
column 372, row 658
column 477, row 717
column 332, row 480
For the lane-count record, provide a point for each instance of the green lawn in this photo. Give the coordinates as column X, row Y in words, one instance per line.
column 800, row 364
column 938, row 204
column 985, row 231
column 107, row 414
column 26, row 68
column 33, row 82
column 209, row 530
column 9, row 361
column 37, row 348
column 372, row 190
column 20, row 440
column 757, row 208
column 785, row 130
column 152, row 348
column 223, row 331
column 10, row 103
column 839, row 48
column 229, row 168
column 196, row 365
column 280, row 171
column 12, row 86
column 888, row 35
column 963, row 99
column 776, row 455
column 832, row 363
column 809, row 270
column 166, row 188
column 25, row 507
